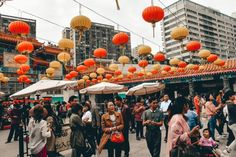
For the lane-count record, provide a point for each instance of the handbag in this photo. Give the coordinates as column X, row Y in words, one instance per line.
column 117, row 137
column 88, row 151
column 184, row 150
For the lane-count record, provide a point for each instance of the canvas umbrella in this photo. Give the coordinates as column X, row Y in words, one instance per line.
column 145, row 88
column 103, row 88
column 42, row 86
column 2, row 94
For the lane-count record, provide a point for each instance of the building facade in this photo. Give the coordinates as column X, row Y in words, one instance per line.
column 215, row 30
column 39, row 59
column 99, row 35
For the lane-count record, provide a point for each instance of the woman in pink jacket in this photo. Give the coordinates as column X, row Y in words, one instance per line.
column 178, row 126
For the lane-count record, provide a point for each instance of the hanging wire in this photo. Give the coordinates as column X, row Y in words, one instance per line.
column 80, row 9
column 129, row 30
column 63, row 27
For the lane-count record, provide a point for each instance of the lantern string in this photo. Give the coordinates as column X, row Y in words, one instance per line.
column 152, row 3
column 80, row 9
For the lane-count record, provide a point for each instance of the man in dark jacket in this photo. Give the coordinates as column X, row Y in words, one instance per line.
column 15, row 115
column 126, row 114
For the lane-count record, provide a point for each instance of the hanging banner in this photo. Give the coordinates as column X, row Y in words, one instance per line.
column 8, row 60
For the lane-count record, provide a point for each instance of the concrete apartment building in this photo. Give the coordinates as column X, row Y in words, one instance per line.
column 215, row 30
column 99, row 35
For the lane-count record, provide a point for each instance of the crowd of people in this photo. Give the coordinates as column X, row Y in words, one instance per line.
column 92, row 132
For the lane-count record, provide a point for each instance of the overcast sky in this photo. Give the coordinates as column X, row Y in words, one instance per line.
column 130, row 15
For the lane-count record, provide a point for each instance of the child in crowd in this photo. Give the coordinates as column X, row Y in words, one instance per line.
column 208, row 145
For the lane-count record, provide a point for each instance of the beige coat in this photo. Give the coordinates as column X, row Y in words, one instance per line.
column 106, row 125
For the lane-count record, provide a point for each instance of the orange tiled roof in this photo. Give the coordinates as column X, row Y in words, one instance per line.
column 209, row 69
column 13, row 38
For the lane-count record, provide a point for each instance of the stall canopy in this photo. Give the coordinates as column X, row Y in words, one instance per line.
column 103, row 88
column 42, row 86
column 145, row 88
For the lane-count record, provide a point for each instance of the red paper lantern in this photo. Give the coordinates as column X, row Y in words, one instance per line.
column 153, row 14
column 81, row 68
column 171, row 72
column 196, row 67
column 143, row 63
column 140, row 74
column 180, row 70
column 132, row 69
column 25, row 47
column 19, row 28
column 117, row 72
column 74, row 73
column 130, row 76
column 212, row 58
column 89, row 62
column 20, row 72
column 99, row 78
column 154, row 71
column 222, row 63
column 21, row 59
column 88, row 81
column 120, row 39
column 24, row 67
column 22, row 78
column 94, row 81
column 193, row 46
column 160, row 57
column 69, row 77
column 28, row 81
column 100, row 53
column 167, row 68
column 108, row 76
column 182, row 64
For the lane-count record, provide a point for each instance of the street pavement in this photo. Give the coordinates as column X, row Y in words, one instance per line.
column 137, row 148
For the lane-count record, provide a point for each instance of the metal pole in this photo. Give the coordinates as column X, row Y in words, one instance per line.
column 21, row 141
column 21, row 136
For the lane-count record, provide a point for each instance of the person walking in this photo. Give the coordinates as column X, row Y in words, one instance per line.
column 230, row 98
column 126, row 114
column 178, row 126
column 15, row 115
column 164, row 108
column 1, row 114
column 192, row 118
column 51, row 141
column 153, row 120
column 38, row 132
column 138, row 111
column 112, row 122
column 77, row 139
column 211, row 112
column 88, row 130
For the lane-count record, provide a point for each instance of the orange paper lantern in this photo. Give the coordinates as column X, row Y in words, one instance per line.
column 212, row 58
column 154, row 71
column 167, row 68
column 132, row 69
column 81, row 68
column 117, row 72
column 24, row 67
column 25, row 47
column 160, row 57
column 143, row 63
column 89, row 62
column 69, row 77
column 74, row 73
column 19, row 28
column 108, row 76
column 193, row 46
column 20, row 72
column 100, row 53
column 21, row 59
column 120, row 39
column 182, row 64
